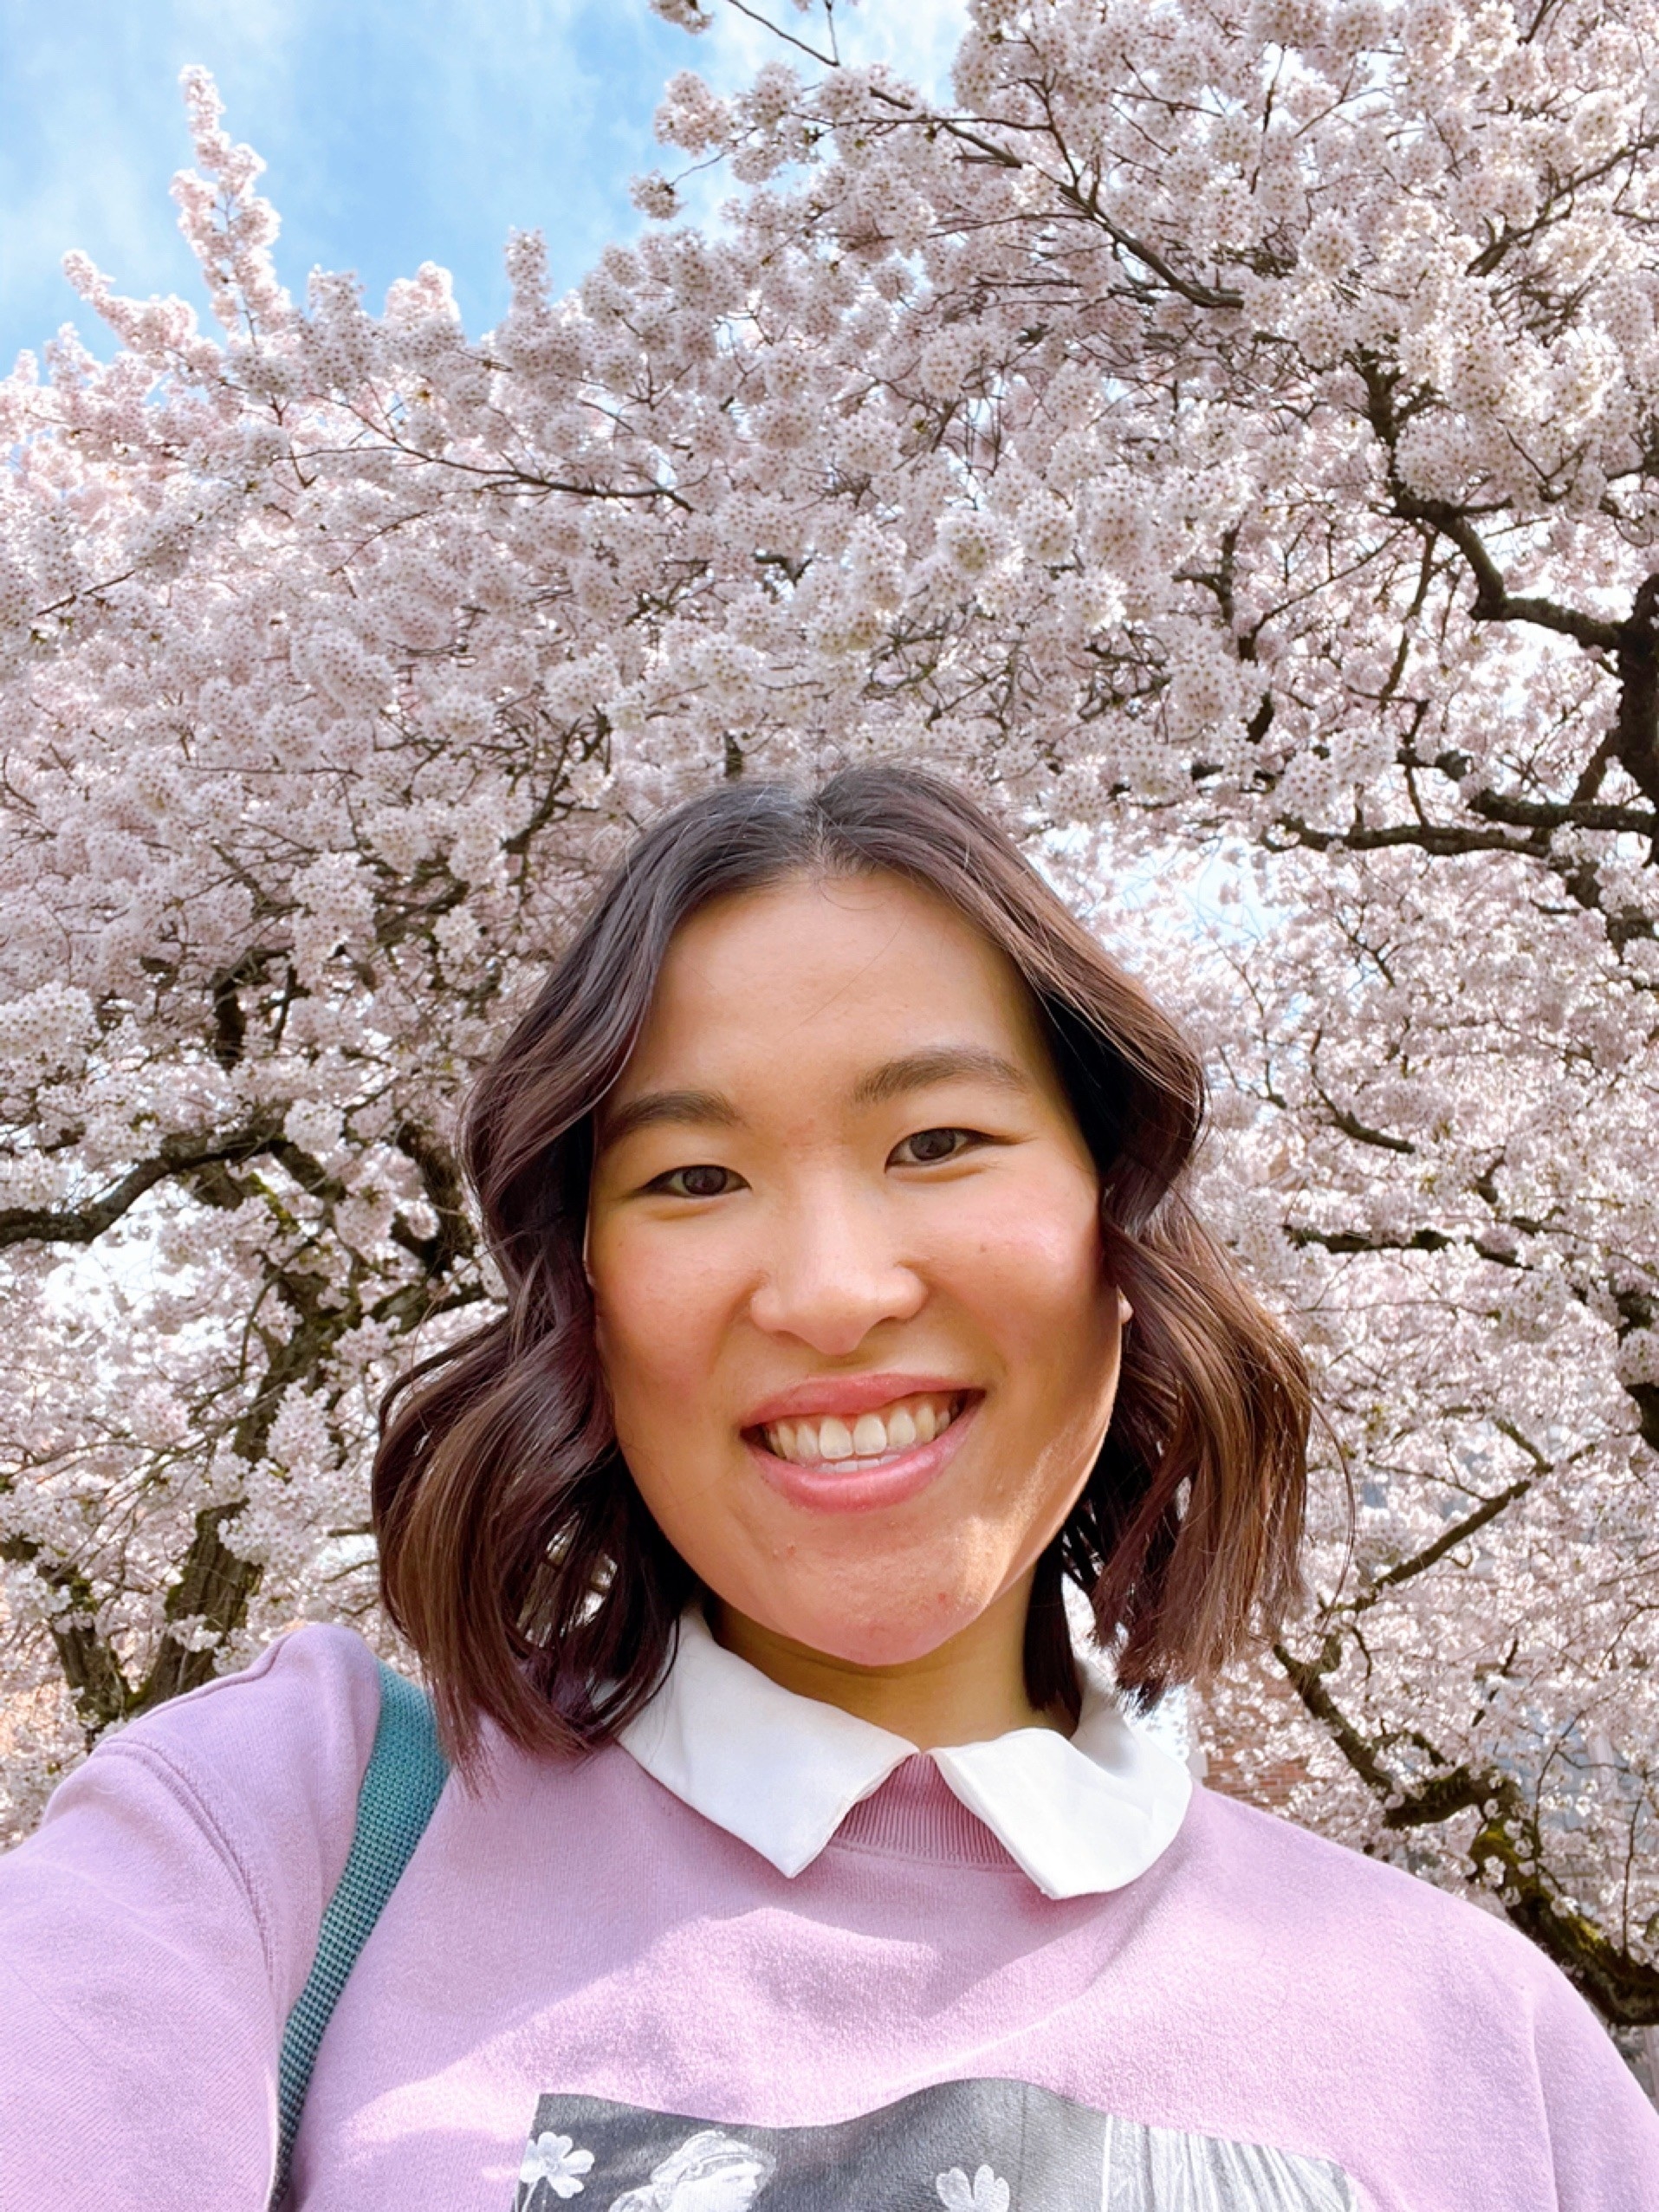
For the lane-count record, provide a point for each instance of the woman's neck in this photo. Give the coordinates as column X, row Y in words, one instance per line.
column 967, row 1690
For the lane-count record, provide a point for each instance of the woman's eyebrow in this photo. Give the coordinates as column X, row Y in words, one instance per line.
column 940, row 1064
column 914, row 1071
column 689, row 1109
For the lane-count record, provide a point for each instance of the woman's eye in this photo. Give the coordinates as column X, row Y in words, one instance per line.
column 705, row 1182
column 929, row 1146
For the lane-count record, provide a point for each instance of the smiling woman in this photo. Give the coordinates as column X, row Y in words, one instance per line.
column 833, row 1116
column 837, row 1312
column 797, row 1853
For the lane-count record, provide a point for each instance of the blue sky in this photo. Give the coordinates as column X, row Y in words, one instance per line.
column 394, row 133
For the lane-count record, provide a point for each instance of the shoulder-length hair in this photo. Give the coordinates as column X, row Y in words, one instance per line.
column 515, row 1553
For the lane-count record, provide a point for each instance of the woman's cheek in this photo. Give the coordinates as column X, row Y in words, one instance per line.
column 657, row 1331
column 1027, row 1253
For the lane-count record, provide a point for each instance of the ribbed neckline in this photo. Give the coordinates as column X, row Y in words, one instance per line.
column 914, row 1816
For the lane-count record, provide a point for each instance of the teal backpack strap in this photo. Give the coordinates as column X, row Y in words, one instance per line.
column 401, row 1785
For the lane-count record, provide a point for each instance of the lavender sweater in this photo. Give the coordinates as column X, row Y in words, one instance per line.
column 582, row 1991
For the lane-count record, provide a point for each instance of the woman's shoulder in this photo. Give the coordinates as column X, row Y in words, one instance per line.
column 257, row 1772
column 1345, row 1914
column 1319, row 1886
column 1340, row 1935
column 160, row 1921
column 317, row 1674
column 300, row 1718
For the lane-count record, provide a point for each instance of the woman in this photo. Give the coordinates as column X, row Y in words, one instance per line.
column 709, row 2172
column 852, row 1309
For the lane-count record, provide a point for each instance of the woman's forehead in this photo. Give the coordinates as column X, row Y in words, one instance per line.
column 866, row 985
column 829, row 949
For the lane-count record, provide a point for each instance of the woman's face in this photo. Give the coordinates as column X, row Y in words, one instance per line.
column 845, row 1248
column 729, row 2190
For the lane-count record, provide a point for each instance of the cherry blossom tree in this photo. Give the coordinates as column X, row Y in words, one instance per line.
column 1224, row 432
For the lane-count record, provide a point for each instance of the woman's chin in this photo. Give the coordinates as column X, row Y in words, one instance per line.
column 898, row 1634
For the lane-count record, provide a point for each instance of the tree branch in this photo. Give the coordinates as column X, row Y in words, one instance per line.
column 214, row 1583
column 90, row 1668
column 179, row 1155
column 1447, row 1541
column 440, row 1177
column 1566, row 814
column 1085, row 204
column 1493, row 601
column 1504, row 1852
column 1347, row 1241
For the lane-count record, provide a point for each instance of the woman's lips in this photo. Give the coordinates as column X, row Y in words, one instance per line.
column 848, row 1395
column 860, row 1484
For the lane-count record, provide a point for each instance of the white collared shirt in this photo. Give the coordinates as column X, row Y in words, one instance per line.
column 1079, row 1815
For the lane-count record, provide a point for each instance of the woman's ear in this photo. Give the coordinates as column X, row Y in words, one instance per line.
column 587, row 1222
column 1126, row 1311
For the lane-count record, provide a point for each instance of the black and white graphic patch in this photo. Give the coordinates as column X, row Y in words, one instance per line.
column 965, row 2146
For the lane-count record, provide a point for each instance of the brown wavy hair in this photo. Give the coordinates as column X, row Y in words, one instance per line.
column 515, row 1553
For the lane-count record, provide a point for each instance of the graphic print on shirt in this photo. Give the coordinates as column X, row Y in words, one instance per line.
column 964, row 2146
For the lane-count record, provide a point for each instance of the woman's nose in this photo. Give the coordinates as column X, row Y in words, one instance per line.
column 831, row 1278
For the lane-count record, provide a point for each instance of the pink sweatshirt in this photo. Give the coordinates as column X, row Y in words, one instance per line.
column 582, row 1991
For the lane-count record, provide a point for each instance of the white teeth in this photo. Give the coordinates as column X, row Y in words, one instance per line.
column 834, row 1439
column 870, row 1436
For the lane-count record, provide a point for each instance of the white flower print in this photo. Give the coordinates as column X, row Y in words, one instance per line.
column 987, row 2193
column 551, row 2158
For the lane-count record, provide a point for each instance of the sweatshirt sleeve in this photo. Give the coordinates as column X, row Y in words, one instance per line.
column 157, row 1926
column 1603, row 2132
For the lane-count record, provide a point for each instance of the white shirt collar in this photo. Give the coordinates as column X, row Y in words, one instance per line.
column 781, row 1772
